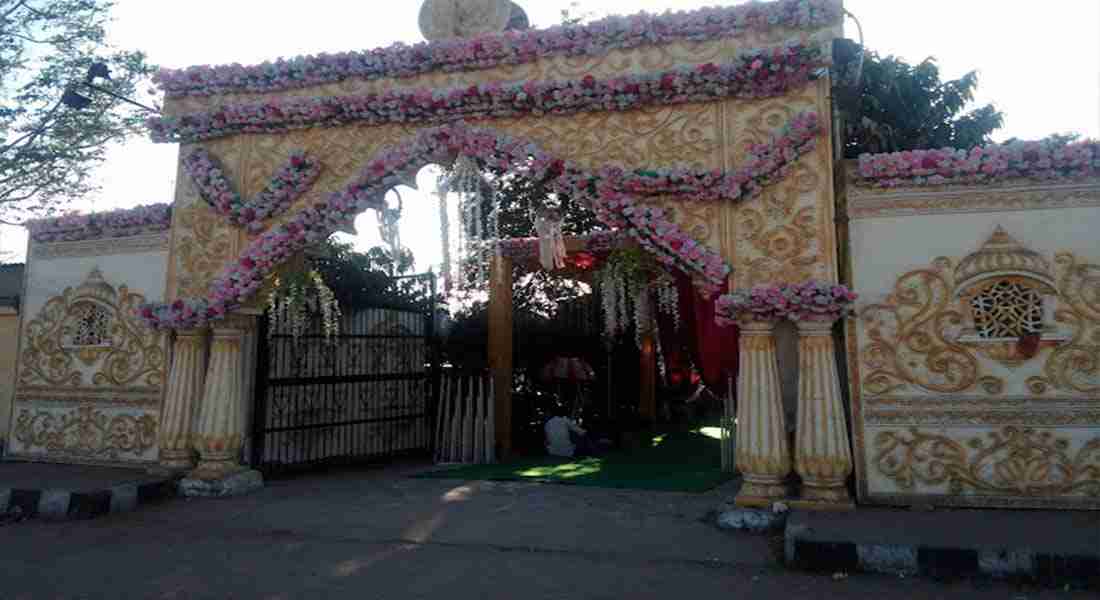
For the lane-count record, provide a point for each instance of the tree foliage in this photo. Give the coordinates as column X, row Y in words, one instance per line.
column 49, row 151
column 371, row 278
column 906, row 107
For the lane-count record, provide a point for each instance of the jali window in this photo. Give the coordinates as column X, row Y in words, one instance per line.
column 90, row 325
column 1007, row 309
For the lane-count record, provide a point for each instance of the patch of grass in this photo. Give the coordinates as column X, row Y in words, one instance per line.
column 673, row 461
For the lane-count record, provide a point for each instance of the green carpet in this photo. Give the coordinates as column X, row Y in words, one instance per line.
column 679, row 461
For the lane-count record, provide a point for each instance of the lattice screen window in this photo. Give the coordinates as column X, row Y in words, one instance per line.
column 1007, row 309
column 90, row 325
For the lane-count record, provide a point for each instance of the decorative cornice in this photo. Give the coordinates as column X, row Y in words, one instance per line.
column 129, row 396
column 106, row 247
column 870, row 203
column 1036, row 418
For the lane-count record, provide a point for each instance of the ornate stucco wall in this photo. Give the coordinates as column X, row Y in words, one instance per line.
column 90, row 374
column 975, row 358
column 9, row 342
column 784, row 235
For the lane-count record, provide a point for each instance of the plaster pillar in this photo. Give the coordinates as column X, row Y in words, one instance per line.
column 220, row 430
column 182, row 399
column 763, row 456
column 823, row 457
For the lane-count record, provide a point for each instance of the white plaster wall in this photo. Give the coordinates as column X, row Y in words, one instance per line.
column 145, row 273
column 975, row 425
column 141, row 265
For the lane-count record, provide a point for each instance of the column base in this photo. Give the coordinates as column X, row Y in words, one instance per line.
column 825, row 491
column 176, row 460
column 234, row 484
column 821, row 506
column 761, row 493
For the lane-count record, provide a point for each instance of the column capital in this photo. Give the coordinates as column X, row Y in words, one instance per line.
column 816, row 326
column 751, row 326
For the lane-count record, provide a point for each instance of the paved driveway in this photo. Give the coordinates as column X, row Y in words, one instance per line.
column 381, row 534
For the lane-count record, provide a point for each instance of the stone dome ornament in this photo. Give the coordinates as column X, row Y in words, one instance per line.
column 449, row 19
column 1003, row 256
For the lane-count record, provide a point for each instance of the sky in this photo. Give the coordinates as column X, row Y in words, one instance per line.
column 1039, row 62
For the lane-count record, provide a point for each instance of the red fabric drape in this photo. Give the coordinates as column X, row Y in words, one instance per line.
column 699, row 339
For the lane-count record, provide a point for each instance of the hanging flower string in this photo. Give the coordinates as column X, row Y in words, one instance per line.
column 291, row 181
column 127, row 222
column 508, row 48
column 243, row 278
column 807, row 301
column 294, row 300
column 1044, row 160
column 764, row 73
column 628, row 282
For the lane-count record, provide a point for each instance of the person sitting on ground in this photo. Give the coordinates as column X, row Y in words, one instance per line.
column 560, row 433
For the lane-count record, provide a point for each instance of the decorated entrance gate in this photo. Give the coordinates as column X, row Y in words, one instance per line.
column 367, row 394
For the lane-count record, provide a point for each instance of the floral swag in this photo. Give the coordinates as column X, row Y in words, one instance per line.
column 613, row 193
column 127, row 222
column 508, row 48
column 807, row 301
column 291, row 181
column 762, row 73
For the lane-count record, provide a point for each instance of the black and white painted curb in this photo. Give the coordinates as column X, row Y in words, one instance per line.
column 64, row 504
column 802, row 552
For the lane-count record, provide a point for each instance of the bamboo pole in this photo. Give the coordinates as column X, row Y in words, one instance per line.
column 490, row 425
column 479, row 423
column 468, row 424
column 456, row 423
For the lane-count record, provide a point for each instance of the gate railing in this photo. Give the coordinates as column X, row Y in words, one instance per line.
column 367, row 395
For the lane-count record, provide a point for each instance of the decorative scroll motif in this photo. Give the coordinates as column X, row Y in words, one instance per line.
column 201, row 248
column 907, row 345
column 1014, row 461
column 926, row 333
column 780, row 237
column 86, row 432
column 96, row 324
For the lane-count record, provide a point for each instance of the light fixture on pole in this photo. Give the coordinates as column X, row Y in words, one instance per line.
column 77, row 101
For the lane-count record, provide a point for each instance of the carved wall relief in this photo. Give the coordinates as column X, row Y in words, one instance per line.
column 1002, row 303
column 95, row 324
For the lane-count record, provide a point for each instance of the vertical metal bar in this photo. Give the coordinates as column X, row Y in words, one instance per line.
column 259, row 401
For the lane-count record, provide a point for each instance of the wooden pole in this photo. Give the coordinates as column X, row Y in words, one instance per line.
column 647, row 373
column 500, row 350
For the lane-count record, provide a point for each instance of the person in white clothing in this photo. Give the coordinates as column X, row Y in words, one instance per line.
column 559, row 442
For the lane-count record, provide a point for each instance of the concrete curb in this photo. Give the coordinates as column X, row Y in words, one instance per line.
column 811, row 543
column 59, row 504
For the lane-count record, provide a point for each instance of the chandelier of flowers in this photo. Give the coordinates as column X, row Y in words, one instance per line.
column 389, row 220
column 479, row 230
column 630, row 281
column 296, row 298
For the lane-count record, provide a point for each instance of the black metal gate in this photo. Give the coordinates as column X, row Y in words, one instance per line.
column 367, row 395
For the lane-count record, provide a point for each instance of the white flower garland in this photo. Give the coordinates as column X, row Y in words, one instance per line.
column 292, row 304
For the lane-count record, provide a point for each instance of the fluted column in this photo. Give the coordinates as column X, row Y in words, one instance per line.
column 763, row 456
column 182, row 398
column 823, row 457
column 220, row 429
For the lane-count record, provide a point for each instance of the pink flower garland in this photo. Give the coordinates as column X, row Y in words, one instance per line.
column 291, row 181
column 754, row 74
column 807, row 301
column 126, row 222
column 526, row 250
column 1043, row 160
column 508, row 48
column 244, row 277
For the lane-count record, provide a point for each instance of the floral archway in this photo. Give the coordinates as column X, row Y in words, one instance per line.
column 615, row 194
